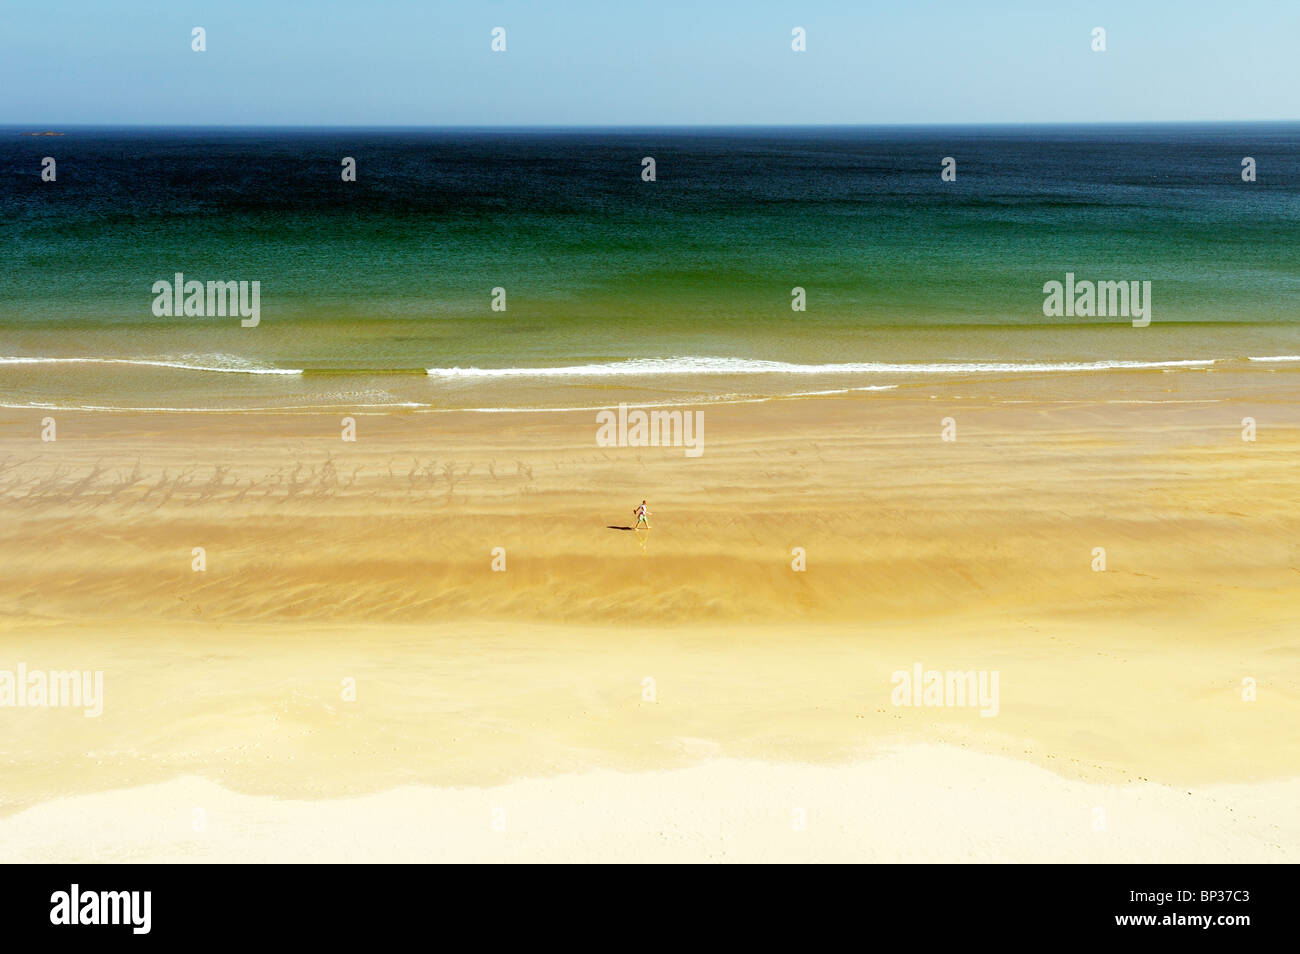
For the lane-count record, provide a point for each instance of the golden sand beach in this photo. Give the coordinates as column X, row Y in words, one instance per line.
column 671, row 694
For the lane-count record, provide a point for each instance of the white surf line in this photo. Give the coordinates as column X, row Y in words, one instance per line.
column 664, row 367
column 149, row 363
column 433, row 409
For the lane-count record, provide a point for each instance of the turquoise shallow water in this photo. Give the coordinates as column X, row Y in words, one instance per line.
column 395, row 271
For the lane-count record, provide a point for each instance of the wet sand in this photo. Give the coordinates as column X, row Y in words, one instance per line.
column 372, row 561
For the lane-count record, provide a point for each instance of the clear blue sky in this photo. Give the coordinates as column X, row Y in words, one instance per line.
column 610, row 62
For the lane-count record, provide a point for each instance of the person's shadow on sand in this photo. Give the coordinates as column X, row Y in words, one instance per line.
column 618, row 528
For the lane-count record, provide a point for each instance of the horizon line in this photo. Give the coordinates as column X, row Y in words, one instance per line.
column 47, row 126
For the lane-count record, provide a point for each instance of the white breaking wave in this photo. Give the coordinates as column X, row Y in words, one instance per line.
column 1279, row 357
column 651, row 367
column 219, row 363
column 870, row 387
column 643, row 367
column 420, row 407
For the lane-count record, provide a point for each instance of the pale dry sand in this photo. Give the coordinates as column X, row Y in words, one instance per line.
column 372, row 561
column 923, row 803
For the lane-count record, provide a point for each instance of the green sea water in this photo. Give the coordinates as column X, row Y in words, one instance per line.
column 678, row 286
